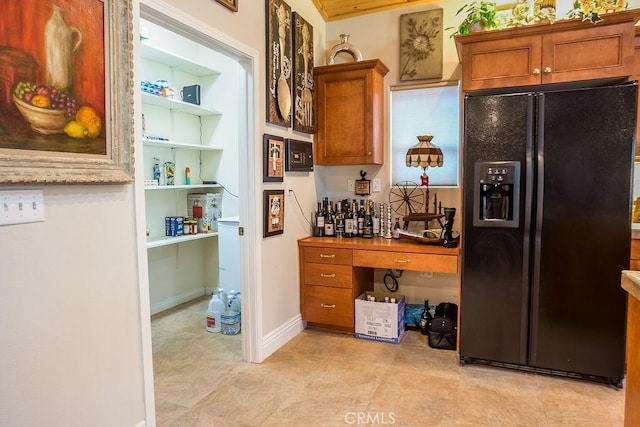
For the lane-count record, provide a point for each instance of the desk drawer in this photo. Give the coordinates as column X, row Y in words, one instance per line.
column 339, row 276
column 329, row 306
column 406, row 261
column 328, row 255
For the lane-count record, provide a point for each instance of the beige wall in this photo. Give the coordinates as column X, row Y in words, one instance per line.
column 69, row 310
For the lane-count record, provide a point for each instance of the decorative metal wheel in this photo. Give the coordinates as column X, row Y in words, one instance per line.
column 406, row 197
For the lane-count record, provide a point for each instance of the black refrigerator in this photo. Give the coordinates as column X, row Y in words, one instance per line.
column 547, row 230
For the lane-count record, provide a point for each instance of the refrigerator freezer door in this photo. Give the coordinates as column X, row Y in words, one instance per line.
column 494, row 294
column 582, row 235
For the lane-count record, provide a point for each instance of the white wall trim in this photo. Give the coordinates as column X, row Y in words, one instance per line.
column 177, row 300
column 280, row 336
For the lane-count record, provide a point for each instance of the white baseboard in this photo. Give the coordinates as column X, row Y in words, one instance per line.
column 176, row 300
column 279, row 337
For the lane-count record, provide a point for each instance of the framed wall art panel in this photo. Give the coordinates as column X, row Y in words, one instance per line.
column 279, row 72
column 272, row 153
column 303, row 118
column 273, row 212
column 229, row 4
column 421, row 45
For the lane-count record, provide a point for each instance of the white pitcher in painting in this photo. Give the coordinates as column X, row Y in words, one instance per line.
column 60, row 44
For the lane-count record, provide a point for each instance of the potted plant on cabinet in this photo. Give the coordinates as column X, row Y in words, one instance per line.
column 480, row 15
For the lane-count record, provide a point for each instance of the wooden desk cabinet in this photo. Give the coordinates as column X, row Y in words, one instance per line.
column 334, row 272
column 350, row 113
column 565, row 51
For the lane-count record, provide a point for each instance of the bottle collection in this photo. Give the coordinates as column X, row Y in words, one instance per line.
column 223, row 313
column 349, row 219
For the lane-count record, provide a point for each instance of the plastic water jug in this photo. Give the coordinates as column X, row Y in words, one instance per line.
column 230, row 322
column 214, row 314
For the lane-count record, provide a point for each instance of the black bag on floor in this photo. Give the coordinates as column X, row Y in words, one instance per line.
column 443, row 328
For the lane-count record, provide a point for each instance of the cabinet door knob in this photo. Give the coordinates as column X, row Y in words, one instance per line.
column 328, row 305
column 327, row 256
column 402, row 261
column 547, row 70
column 328, row 276
column 536, row 71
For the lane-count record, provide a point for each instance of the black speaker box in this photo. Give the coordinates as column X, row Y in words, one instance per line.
column 191, row 94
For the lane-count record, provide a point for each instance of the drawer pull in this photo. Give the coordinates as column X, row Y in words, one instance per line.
column 328, row 276
column 536, row 71
column 402, row 261
column 327, row 256
column 328, row 305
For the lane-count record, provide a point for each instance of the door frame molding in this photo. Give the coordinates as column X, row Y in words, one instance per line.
column 175, row 19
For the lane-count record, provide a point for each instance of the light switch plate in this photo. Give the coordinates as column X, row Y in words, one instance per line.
column 375, row 185
column 351, row 185
column 21, row 206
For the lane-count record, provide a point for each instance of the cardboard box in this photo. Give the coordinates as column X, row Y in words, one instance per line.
column 379, row 320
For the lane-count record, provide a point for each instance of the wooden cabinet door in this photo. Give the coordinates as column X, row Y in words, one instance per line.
column 350, row 113
column 502, row 63
column 596, row 52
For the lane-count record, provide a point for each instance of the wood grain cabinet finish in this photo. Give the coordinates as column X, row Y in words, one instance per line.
column 632, row 381
column 566, row 51
column 350, row 113
column 329, row 286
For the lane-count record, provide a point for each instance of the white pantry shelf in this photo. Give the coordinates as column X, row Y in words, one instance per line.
column 156, row 242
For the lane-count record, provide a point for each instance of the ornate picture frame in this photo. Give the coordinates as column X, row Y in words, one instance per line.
column 304, row 114
column 421, row 45
column 273, row 152
column 273, row 216
column 96, row 70
column 279, row 63
column 229, row 4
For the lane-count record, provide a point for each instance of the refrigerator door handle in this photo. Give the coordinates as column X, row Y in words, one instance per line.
column 527, row 185
column 535, row 278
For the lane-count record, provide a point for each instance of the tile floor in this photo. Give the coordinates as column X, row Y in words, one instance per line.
column 326, row 379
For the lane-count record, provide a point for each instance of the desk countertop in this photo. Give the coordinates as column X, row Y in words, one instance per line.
column 631, row 283
column 378, row 244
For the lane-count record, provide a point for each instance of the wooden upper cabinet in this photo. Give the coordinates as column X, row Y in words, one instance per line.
column 566, row 51
column 350, row 113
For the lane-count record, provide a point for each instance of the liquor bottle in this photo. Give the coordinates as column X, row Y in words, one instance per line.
column 376, row 221
column 367, row 227
column 348, row 220
column 319, row 229
column 339, row 221
column 396, row 229
column 329, row 224
column 425, row 319
column 361, row 218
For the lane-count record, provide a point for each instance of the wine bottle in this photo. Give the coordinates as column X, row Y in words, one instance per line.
column 348, row 220
column 396, row 229
column 376, row 220
column 329, row 224
column 339, row 221
column 425, row 319
column 319, row 229
column 367, row 227
column 361, row 218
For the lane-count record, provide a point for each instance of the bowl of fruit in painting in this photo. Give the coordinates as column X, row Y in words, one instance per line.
column 46, row 109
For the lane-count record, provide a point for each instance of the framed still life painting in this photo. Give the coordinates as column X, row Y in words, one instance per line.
column 279, row 66
column 66, row 91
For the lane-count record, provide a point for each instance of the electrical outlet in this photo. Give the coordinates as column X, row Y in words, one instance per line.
column 18, row 207
column 288, row 190
column 351, row 185
column 427, row 274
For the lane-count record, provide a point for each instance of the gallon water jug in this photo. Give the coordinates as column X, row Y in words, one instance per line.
column 214, row 314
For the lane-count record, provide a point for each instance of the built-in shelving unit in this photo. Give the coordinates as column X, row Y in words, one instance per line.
column 156, row 242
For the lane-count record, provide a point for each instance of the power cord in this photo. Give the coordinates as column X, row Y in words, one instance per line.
column 304, row 215
column 391, row 280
